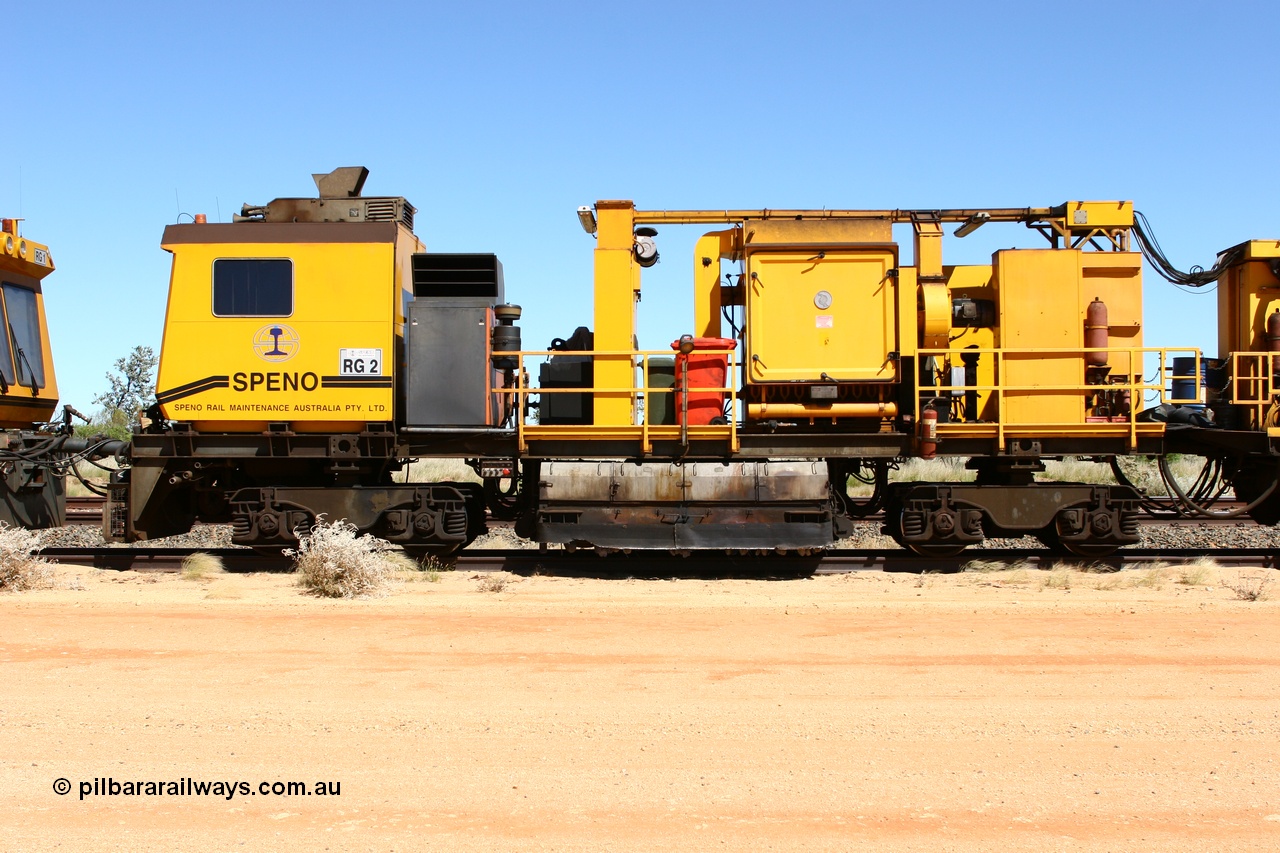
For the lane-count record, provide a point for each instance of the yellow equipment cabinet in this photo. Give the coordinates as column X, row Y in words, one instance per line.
column 825, row 315
column 298, row 323
column 1039, row 296
column 1248, row 293
column 1044, row 297
column 1248, row 330
column 1115, row 278
column 822, row 309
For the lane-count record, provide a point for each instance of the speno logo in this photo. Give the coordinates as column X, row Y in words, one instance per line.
column 276, row 342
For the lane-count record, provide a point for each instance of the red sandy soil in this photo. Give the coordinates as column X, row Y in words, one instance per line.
column 861, row 712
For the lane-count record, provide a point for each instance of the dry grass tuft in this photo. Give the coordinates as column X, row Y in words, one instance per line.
column 200, row 565
column 1058, row 578
column 401, row 561
column 999, row 566
column 985, row 566
column 944, row 469
column 426, row 569
column 20, row 568
column 1000, row 573
column 494, row 582
column 1109, row 582
column 1197, row 573
column 334, row 560
column 439, row 470
column 1145, row 474
column 1152, row 578
column 1249, row 587
column 1073, row 470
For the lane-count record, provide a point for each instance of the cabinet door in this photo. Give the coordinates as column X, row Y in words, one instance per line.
column 811, row 312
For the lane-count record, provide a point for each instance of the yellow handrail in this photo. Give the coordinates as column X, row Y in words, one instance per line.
column 644, row 429
column 1136, row 388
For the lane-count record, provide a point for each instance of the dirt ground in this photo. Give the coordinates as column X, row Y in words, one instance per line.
column 984, row 711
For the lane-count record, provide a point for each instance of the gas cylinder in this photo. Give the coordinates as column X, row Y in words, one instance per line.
column 928, row 433
column 1095, row 333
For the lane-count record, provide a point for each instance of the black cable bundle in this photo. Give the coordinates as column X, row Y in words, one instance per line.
column 1197, row 276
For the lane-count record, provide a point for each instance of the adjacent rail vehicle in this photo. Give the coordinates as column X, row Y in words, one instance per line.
column 36, row 452
column 313, row 347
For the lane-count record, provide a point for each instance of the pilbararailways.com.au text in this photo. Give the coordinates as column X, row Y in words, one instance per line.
column 188, row 787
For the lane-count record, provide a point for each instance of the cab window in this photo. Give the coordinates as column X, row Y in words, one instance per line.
column 252, row 287
column 6, row 350
column 23, row 355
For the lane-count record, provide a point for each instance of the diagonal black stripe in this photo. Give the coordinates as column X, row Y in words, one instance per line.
column 193, row 384
column 177, row 394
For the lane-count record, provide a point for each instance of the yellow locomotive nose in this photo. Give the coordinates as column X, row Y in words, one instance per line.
column 32, row 473
column 28, row 388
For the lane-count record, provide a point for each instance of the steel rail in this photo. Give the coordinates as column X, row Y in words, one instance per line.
column 87, row 511
column 666, row 565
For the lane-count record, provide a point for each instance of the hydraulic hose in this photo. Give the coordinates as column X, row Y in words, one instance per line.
column 1205, row 513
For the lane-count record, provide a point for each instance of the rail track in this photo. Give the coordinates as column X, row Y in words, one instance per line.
column 665, row 565
column 87, row 511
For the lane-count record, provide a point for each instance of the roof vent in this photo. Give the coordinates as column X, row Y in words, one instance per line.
column 343, row 182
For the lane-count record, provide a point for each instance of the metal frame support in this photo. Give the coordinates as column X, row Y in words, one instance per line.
column 707, row 253
column 617, row 288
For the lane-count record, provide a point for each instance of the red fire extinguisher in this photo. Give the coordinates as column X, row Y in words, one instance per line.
column 928, row 433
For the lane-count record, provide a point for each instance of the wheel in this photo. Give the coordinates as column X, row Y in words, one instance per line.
column 1049, row 536
column 1250, row 482
column 893, row 526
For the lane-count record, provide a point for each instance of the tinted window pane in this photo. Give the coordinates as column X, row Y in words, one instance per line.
column 253, row 288
column 24, row 331
column 6, row 353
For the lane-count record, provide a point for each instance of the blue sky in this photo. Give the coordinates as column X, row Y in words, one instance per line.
column 498, row 119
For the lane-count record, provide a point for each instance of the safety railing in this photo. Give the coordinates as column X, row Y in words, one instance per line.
column 1137, row 389
column 1253, row 385
column 639, row 395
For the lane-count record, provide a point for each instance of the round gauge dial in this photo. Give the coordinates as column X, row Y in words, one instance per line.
column 822, row 300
